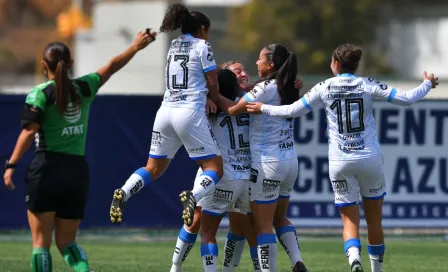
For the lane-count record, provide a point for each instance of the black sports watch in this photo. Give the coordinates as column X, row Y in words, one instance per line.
column 10, row 165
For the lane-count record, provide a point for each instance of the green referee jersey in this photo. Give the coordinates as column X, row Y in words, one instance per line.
column 65, row 133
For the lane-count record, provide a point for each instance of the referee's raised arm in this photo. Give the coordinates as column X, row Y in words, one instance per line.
column 142, row 40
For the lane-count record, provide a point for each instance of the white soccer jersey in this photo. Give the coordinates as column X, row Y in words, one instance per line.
column 187, row 61
column 348, row 104
column 271, row 138
column 232, row 136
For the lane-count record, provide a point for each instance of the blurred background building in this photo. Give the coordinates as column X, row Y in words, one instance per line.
column 401, row 39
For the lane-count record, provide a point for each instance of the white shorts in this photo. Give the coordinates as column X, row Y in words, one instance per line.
column 353, row 178
column 227, row 194
column 271, row 180
column 174, row 127
column 242, row 204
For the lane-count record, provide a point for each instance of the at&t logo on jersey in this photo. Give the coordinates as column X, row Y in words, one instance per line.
column 72, row 113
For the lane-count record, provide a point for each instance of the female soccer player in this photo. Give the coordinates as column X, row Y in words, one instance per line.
column 355, row 160
column 274, row 159
column 240, row 224
column 190, row 75
column 232, row 134
column 55, row 116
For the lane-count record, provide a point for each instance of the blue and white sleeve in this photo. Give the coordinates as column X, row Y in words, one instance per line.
column 410, row 97
column 384, row 92
column 206, row 56
column 296, row 109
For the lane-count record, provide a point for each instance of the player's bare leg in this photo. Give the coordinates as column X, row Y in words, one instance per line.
column 376, row 248
column 287, row 236
column 352, row 245
column 154, row 168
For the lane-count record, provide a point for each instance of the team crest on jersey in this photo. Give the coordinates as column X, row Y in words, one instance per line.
column 72, row 113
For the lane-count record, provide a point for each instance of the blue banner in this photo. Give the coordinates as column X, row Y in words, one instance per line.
column 414, row 142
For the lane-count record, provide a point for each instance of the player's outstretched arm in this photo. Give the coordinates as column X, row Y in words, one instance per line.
column 296, row 109
column 410, row 97
column 406, row 98
column 143, row 39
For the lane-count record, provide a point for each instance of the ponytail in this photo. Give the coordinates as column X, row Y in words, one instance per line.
column 285, row 65
column 285, row 78
column 178, row 16
column 65, row 90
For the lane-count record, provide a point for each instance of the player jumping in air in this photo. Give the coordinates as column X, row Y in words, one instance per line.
column 190, row 75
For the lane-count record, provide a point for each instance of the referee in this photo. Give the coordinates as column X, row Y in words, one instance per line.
column 55, row 117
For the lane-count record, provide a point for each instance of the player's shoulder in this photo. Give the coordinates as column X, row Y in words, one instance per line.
column 42, row 89
column 267, row 84
column 323, row 85
column 41, row 93
column 373, row 83
column 202, row 44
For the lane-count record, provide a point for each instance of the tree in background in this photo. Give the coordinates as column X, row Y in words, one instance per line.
column 311, row 28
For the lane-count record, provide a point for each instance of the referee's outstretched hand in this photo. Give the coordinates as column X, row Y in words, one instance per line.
column 8, row 179
column 144, row 38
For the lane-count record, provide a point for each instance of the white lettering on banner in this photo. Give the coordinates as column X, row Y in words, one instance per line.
column 414, row 142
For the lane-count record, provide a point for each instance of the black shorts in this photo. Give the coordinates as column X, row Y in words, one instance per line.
column 59, row 183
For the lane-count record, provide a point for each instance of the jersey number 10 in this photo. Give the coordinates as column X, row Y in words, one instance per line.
column 184, row 59
column 241, row 120
column 359, row 114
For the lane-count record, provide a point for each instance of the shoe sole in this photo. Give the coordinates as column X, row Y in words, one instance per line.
column 187, row 213
column 116, row 213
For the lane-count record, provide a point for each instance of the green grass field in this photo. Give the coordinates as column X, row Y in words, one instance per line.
column 324, row 255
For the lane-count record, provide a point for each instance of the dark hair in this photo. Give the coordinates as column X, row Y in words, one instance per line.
column 228, row 87
column 349, row 56
column 177, row 16
column 57, row 57
column 285, row 72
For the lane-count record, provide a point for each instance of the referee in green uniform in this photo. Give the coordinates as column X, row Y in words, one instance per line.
column 55, row 117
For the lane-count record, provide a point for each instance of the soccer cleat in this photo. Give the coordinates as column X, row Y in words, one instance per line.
column 299, row 267
column 189, row 203
column 356, row 267
column 117, row 206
